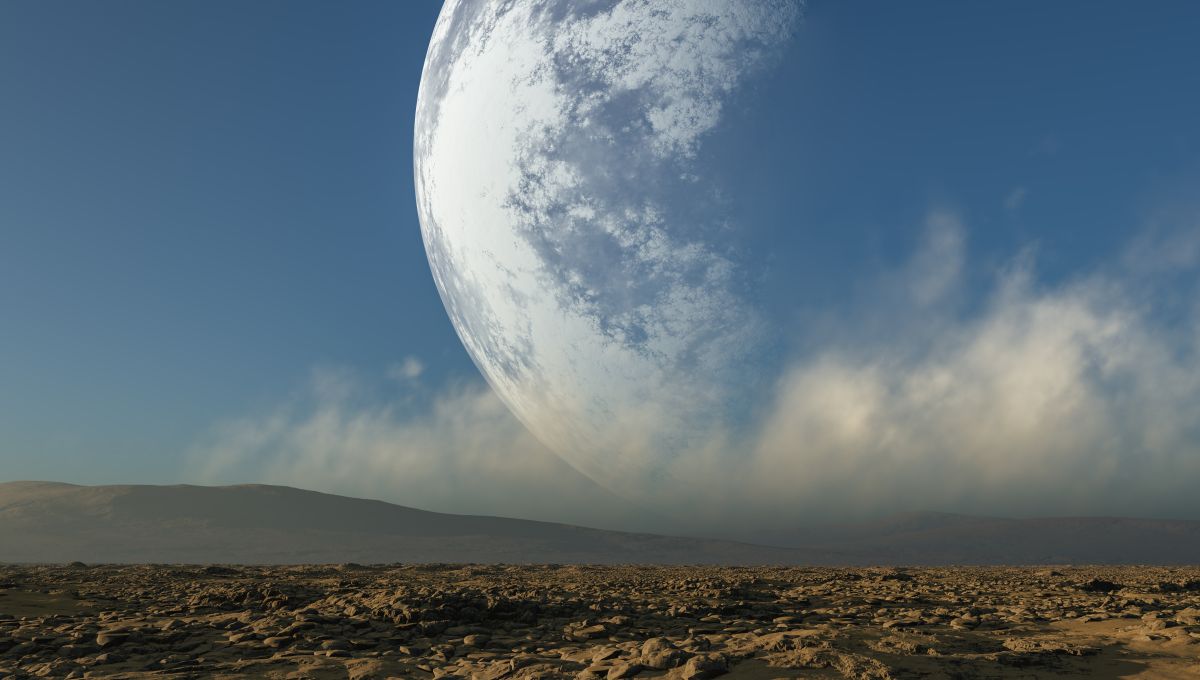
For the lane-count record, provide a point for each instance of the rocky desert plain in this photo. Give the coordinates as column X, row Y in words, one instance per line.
column 498, row 622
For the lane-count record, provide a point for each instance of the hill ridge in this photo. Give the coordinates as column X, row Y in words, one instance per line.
column 46, row 521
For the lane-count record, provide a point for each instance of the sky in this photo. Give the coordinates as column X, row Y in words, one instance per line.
column 211, row 267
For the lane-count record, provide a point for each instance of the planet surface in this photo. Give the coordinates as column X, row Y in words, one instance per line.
column 589, row 253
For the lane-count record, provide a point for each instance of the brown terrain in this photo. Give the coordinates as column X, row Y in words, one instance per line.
column 48, row 522
column 587, row 622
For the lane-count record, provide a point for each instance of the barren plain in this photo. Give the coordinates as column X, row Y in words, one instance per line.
column 496, row 622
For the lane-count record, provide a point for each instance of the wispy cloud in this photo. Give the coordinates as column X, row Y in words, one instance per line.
column 406, row 371
column 1078, row 398
column 1015, row 199
column 463, row 452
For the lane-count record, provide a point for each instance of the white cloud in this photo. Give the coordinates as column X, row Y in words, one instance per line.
column 406, row 371
column 1015, row 199
column 1067, row 401
column 1157, row 253
column 937, row 268
column 464, row 454
column 1079, row 398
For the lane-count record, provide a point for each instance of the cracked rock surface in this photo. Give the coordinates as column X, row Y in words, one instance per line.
column 496, row 622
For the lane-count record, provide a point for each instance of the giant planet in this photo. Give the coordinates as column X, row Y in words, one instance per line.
column 590, row 253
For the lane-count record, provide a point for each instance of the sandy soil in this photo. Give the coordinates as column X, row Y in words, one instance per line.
column 494, row 622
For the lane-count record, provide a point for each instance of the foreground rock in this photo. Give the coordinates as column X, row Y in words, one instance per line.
column 520, row 622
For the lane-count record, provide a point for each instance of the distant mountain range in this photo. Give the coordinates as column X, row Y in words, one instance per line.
column 53, row 522
column 940, row 538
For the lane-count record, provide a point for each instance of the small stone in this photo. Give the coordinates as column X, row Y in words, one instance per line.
column 660, row 654
column 1188, row 617
column 624, row 669
column 111, row 638
column 703, row 667
column 965, row 622
column 477, row 640
column 276, row 642
column 605, row 653
column 587, row 633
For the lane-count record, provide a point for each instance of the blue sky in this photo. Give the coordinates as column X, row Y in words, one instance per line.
column 204, row 202
column 201, row 202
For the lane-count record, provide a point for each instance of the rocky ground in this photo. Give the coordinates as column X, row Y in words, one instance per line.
column 493, row 622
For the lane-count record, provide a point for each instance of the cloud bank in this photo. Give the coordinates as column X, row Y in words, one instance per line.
column 460, row 451
column 1078, row 397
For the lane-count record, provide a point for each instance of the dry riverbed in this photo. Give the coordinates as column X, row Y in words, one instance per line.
column 496, row 622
